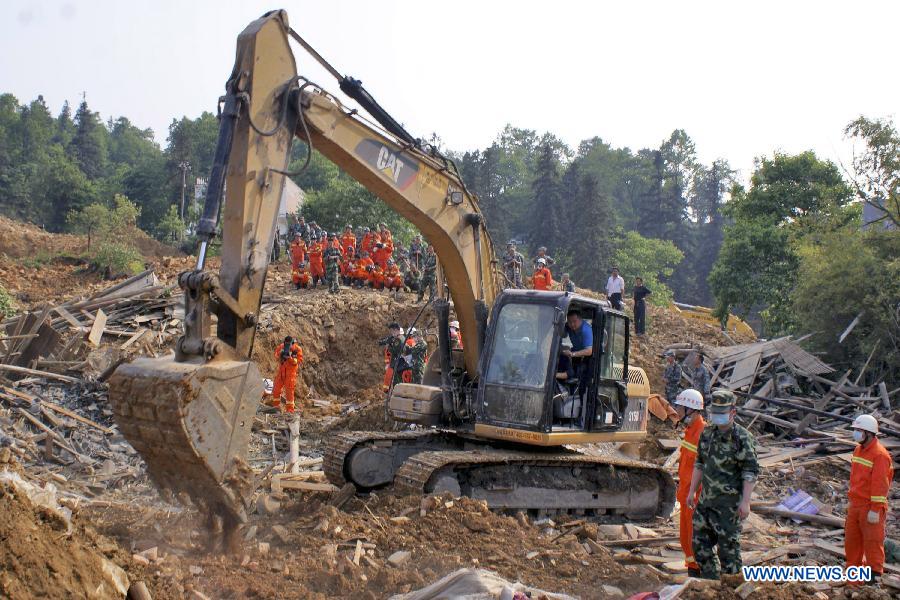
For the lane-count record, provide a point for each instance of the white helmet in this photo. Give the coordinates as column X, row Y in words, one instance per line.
column 690, row 399
column 541, row 261
column 454, row 324
column 866, row 423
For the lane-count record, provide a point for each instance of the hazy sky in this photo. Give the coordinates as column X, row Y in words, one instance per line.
column 743, row 78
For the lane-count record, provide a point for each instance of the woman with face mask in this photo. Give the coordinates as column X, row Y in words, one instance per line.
column 871, row 473
column 689, row 406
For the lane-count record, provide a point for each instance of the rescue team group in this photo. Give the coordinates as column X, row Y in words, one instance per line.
column 717, row 473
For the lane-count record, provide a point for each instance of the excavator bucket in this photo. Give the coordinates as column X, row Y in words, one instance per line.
column 191, row 422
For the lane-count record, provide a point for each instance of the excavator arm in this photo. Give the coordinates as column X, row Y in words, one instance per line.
column 189, row 415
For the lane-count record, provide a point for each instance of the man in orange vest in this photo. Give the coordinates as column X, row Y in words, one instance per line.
column 316, row 264
column 542, row 279
column 300, row 276
column 298, row 251
column 289, row 356
column 348, row 240
column 689, row 406
column 871, row 473
column 381, row 254
column 361, row 274
column 392, row 278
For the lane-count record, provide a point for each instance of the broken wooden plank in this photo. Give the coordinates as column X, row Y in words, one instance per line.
column 790, row 514
column 37, row 373
column 73, row 415
column 97, row 328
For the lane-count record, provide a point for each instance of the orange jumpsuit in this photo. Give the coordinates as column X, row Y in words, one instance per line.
column 348, row 242
column 685, row 472
column 361, row 274
column 368, row 242
column 286, row 378
column 542, row 279
column 392, row 278
column 316, row 266
column 382, row 255
column 871, row 473
column 376, row 276
column 300, row 277
column 298, row 253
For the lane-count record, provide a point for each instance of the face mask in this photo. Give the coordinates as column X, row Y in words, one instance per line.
column 858, row 436
column 719, row 418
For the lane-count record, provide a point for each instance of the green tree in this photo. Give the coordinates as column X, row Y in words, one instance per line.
column 345, row 201
column 57, row 187
column 877, row 169
column 847, row 273
column 89, row 145
column 93, row 220
column 652, row 259
column 170, row 228
column 549, row 214
column 592, row 245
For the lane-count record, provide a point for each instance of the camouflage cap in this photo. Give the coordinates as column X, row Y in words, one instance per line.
column 722, row 401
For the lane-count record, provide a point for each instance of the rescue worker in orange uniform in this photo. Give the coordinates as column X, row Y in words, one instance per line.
column 348, row 265
column 393, row 280
column 300, row 276
column 376, row 277
column 542, row 279
column 367, row 244
column 297, row 251
column 289, row 356
column 871, row 473
column 386, row 236
column 361, row 274
column 316, row 264
column 348, row 240
column 689, row 406
column 382, row 254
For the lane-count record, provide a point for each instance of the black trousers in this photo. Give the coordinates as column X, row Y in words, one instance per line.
column 640, row 317
column 616, row 300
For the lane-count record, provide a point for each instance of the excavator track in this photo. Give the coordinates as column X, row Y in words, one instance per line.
column 540, row 483
column 509, row 480
column 339, row 450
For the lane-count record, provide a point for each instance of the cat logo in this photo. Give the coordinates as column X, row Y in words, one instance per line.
column 398, row 168
column 388, row 164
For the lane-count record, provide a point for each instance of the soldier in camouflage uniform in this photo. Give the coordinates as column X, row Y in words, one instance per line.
column 418, row 353
column 672, row 377
column 700, row 379
column 429, row 273
column 726, row 466
column 513, row 263
column 332, row 257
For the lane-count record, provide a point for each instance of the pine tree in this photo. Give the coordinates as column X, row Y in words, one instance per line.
column 88, row 147
column 65, row 128
column 547, row 217
column 593, row 241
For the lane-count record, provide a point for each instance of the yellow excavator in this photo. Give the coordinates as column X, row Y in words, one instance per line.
column 493, row 421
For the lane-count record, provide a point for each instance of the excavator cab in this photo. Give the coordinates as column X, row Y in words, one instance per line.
column 531, row 391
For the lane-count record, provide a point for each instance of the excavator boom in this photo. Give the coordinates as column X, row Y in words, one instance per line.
column 189, row 415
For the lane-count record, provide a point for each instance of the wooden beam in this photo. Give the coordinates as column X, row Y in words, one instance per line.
column 36, row 373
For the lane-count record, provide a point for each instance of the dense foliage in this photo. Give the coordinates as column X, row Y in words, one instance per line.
column 787, row 250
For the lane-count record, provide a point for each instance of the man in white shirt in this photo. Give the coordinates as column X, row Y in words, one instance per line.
column 615, row 287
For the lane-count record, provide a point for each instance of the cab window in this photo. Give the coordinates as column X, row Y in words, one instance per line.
column 523, row 339
column 614, row 343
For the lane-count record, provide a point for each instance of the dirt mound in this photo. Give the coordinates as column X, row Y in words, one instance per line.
column 338, row 333
column 308, row 551
column 43, row 556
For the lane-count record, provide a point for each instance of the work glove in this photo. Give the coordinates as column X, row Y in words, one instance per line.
column 873, row 517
